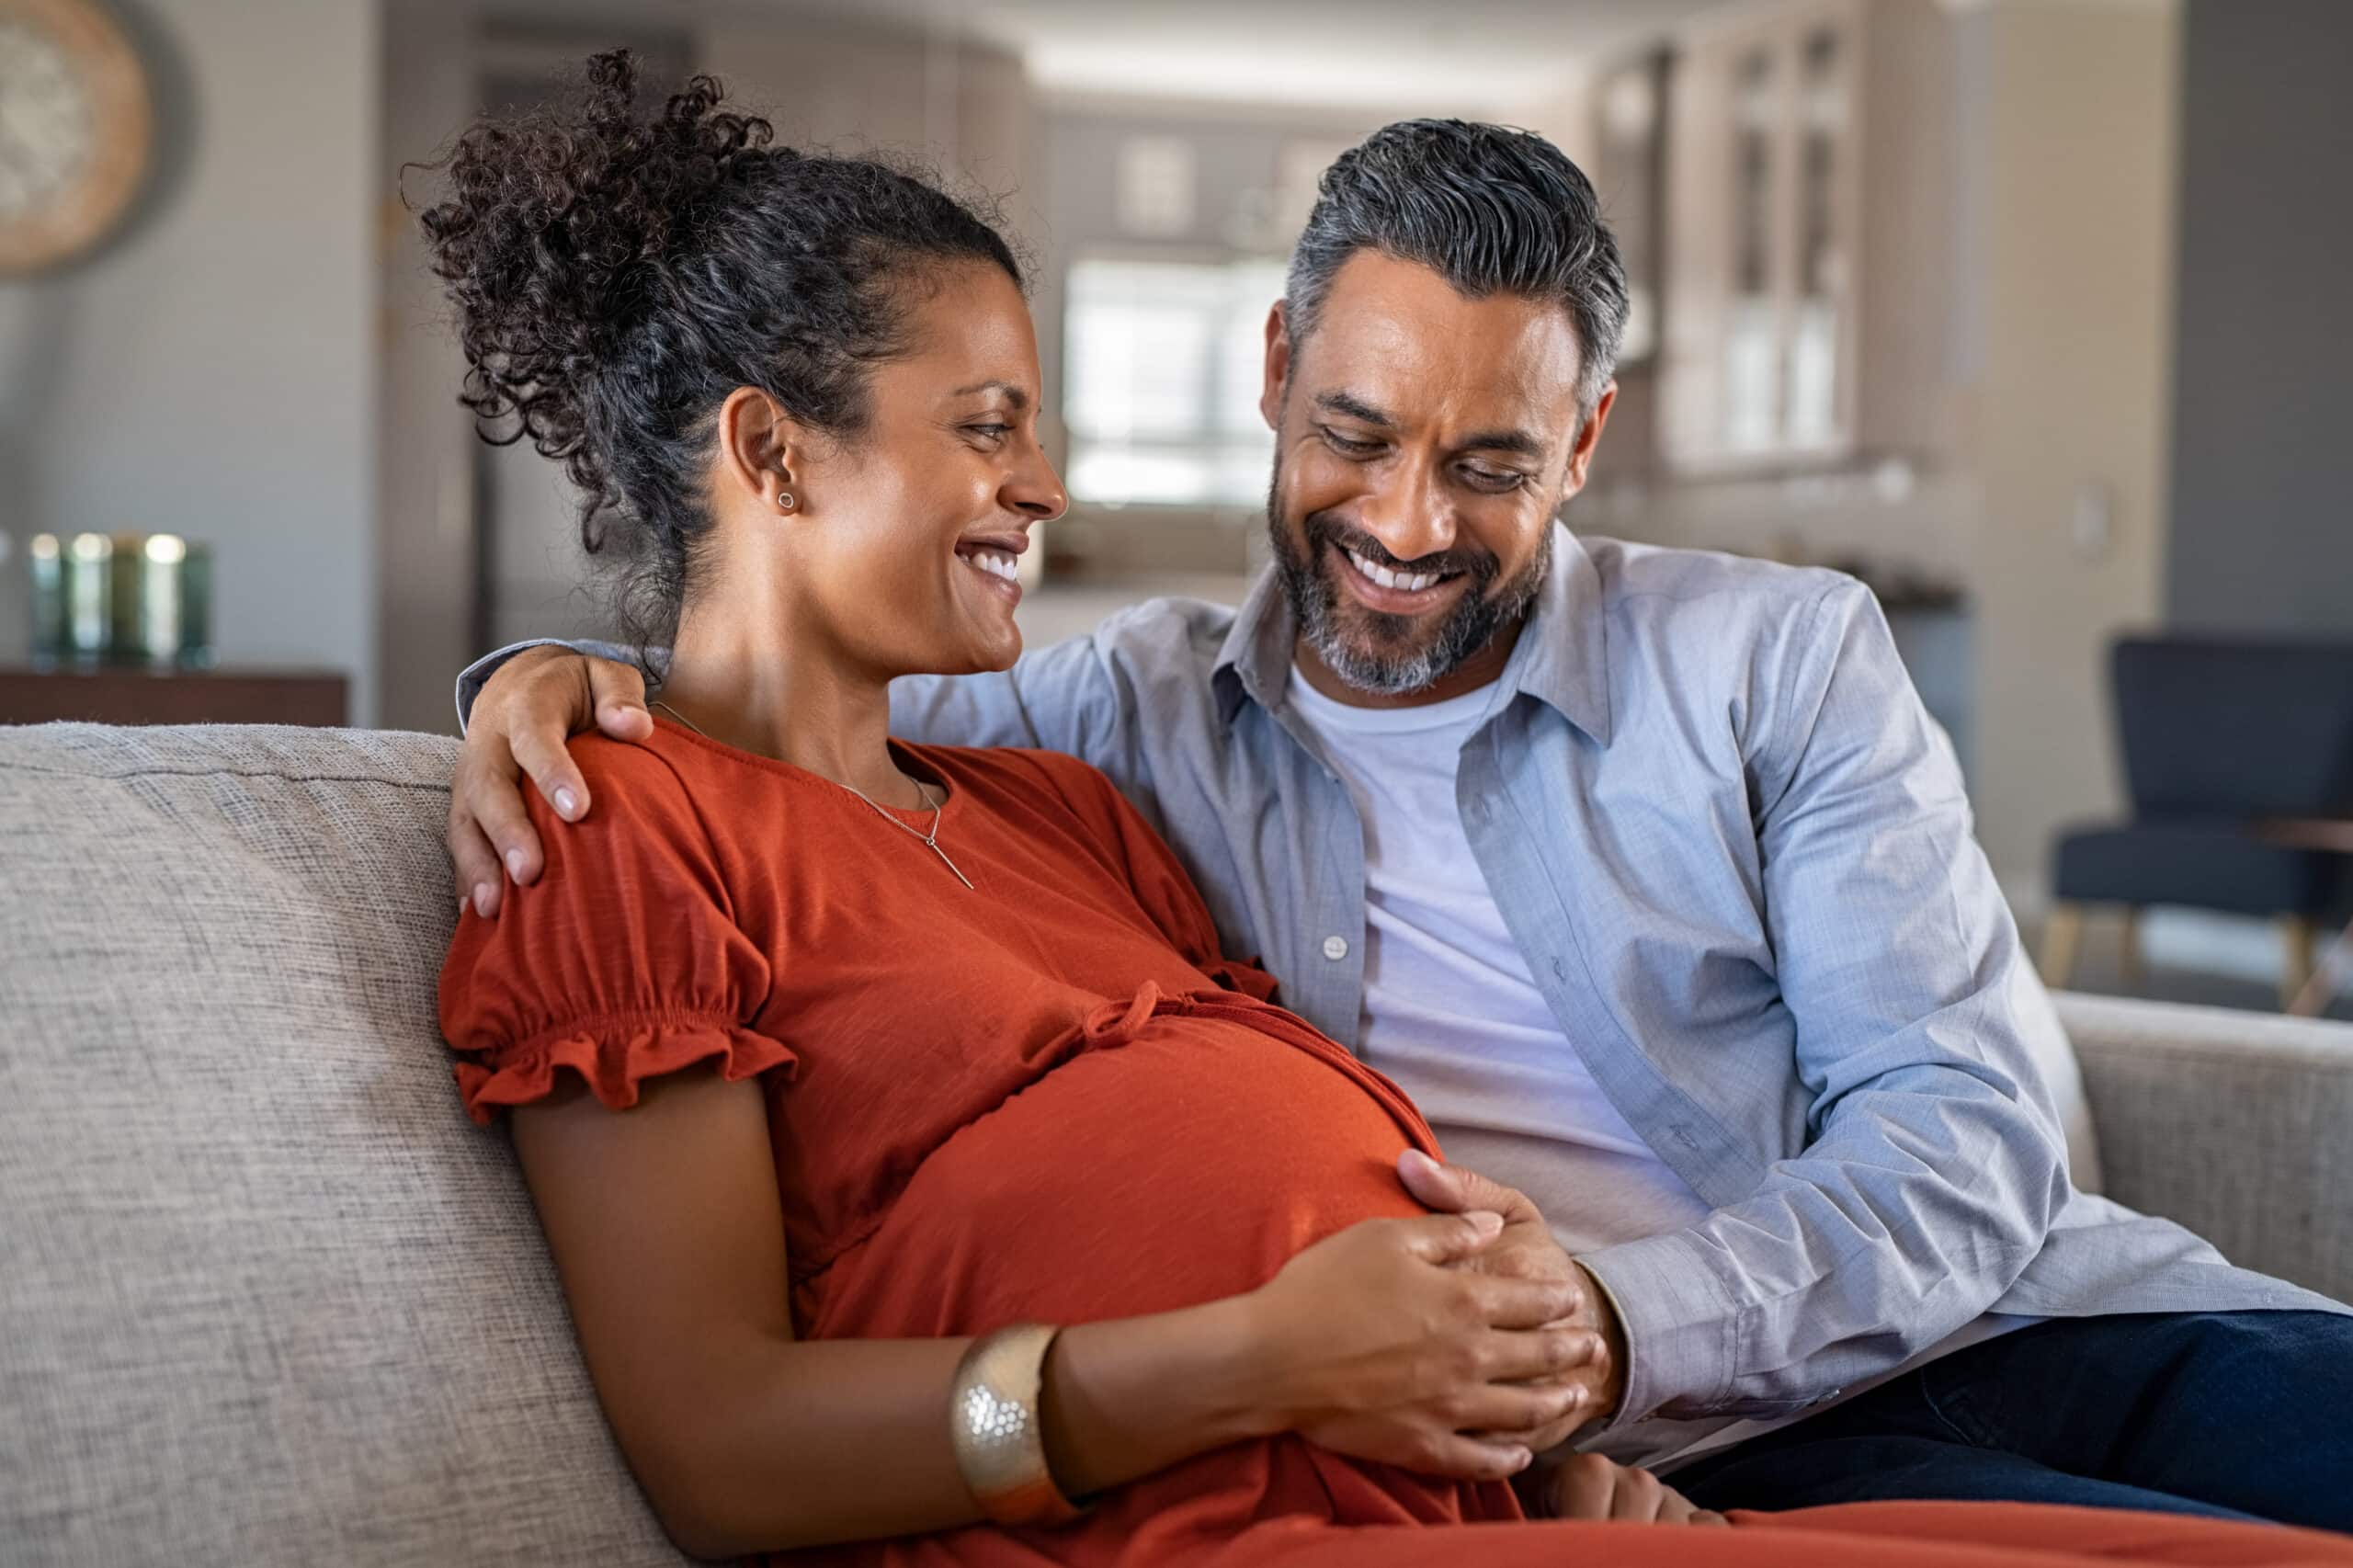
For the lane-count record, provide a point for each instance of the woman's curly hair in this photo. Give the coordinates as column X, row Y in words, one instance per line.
column 618, row 276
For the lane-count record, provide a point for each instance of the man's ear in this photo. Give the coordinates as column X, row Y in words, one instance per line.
column 1589, row 438
column 759, row 444
column 1279, row 350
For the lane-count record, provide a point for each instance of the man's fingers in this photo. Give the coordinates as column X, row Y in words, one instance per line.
column 1583, row 1488
column 1590, row 1487
column 1451, row 1189
column 1533, row 1262
column 1448, row 1238
column 1636, row 1498
column 1677, row 1509
column 617, row 691
column 476, row 866
column 1433, row 1185
column 548, row 762
column 488, row 791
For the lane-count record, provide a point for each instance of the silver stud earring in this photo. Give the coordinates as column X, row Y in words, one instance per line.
column 784, row 500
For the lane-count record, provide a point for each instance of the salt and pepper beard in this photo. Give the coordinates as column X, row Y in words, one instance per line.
column 1392, row 667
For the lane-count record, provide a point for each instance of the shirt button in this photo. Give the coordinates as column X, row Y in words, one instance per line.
column 1335, row 948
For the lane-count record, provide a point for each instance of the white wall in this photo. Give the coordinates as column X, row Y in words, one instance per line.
column 2077, row 252
column 2262, row 540
column 425, row 472
column 849, row 88
column 213, row 374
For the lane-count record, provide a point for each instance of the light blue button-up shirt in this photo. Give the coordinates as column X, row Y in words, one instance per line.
column 1738, row 859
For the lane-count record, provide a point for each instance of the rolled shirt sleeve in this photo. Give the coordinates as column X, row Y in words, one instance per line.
column 474, row 676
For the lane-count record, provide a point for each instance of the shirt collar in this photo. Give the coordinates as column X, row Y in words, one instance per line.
column 1562, row 659
column 1253, row 662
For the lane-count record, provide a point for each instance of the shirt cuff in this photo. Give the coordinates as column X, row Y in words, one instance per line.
column 474, row 676
column 1680, row 1327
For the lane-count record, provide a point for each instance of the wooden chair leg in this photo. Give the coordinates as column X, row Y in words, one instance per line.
column 2327, row 975
column 2062, row 935
column 2300, row 941
column 2129, row 955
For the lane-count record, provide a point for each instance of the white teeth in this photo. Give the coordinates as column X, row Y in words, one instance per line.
column 1412, row 584
column 996, row 565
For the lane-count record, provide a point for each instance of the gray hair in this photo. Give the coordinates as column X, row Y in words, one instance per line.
column 1489, row 209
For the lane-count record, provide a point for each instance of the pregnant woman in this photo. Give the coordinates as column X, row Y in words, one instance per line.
column 914, row 1163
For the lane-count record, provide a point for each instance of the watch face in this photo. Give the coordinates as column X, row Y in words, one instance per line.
column 47, row 120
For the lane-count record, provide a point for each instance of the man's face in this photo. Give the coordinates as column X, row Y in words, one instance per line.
column 1423, row 442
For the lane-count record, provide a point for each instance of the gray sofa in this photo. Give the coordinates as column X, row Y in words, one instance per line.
column 267, row 1297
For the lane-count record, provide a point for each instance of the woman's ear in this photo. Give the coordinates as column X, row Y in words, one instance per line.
column 757, row 451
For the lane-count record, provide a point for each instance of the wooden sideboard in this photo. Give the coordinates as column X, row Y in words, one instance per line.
column 130, row 694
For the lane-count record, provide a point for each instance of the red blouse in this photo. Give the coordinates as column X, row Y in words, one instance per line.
column 1047, row 1096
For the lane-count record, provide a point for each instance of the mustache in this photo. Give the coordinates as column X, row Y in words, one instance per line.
column 1325, row 529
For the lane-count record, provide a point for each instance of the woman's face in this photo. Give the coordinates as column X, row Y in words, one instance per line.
column 905, row 544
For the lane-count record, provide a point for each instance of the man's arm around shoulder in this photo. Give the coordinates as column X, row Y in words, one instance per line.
column 519, row 707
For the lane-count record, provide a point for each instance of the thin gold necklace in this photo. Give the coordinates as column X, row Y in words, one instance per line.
column 938, row 808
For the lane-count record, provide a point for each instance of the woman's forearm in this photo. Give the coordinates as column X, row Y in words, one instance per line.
column 1374, row 1342
column 1127, row 1398
column 799, row 1444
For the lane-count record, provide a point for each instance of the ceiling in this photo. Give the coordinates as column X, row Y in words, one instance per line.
column 1471, row 54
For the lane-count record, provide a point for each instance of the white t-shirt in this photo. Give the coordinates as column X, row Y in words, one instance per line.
column 1451, row 1010
column 1453, row 1016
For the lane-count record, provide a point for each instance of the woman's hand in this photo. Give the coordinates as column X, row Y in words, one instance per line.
column 1374, row 1345
column 1586, row 1486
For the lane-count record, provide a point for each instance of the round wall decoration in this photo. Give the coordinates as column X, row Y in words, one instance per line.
column 75, row 125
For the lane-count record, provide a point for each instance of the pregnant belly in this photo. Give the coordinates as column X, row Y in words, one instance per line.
column 1185, row 1156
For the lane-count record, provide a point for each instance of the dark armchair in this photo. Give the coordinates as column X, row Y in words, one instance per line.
column 2225, row 743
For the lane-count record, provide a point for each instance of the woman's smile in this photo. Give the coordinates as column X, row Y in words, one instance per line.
column 995, row 557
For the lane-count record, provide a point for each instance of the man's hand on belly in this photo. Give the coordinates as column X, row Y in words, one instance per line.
column 1527, row 1251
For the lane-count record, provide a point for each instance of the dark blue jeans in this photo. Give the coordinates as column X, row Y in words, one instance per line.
column 2228, row 1415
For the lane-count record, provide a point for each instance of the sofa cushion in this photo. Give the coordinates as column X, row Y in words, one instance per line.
column 269, row 1296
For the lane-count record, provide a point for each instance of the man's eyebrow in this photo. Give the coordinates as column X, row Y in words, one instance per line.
column 1515, row 441
column 1519, row 442
column 1012, row 394
column 1354, row 407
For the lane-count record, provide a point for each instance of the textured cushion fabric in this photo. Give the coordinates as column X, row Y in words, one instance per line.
column 2238, row 1125
column 2205, row 865
column 265, row 1295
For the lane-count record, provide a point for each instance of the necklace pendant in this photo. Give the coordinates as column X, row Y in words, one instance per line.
column 944, row 861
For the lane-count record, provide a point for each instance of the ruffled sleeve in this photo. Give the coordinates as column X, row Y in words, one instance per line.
column 620, row 963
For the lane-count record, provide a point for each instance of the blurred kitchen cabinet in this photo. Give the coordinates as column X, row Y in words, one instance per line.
column 1629, row 171
column 1629, row 167
column 1810, row 216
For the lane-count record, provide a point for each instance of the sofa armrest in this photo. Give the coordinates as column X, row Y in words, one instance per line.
column 2237, row 1125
